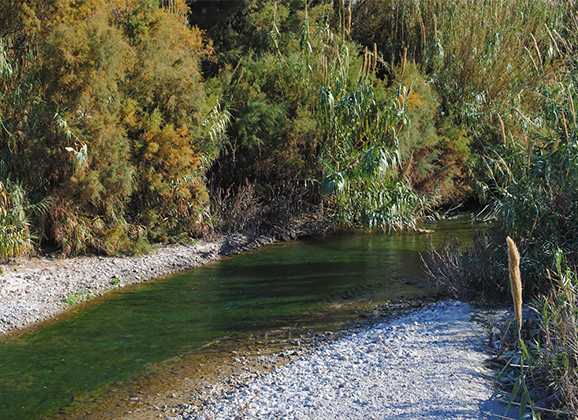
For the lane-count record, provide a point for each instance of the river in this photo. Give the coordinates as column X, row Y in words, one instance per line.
column 319, row 284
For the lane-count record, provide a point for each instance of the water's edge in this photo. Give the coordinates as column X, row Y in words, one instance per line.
column 188, row 384
column 35, row 292
column 428, row 362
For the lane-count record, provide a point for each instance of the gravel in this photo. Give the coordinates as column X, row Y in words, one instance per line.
column 425, row 364
column 40, row 288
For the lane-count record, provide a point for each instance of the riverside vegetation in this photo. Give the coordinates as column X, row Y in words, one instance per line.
column 122, row 125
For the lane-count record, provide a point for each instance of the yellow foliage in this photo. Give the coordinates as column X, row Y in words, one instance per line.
column 121, row 118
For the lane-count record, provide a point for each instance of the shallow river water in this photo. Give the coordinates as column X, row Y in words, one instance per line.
column 126, row 334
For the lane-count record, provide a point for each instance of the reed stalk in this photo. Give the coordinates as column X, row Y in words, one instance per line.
column 515, row 281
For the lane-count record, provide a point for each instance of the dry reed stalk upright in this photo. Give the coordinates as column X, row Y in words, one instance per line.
column 349, row 18
column 515, row 281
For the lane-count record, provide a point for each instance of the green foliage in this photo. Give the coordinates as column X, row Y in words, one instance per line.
column 536, row 179
column 555, row 354
column 259, row 26
column 547, row 383
column 77, row 298
column 309, row 107
column 532, row 178
column 487, row 63
column 104, row 110
column 480, row 58
column 273, row 135
column 115, row 281
column 14, row 226
column 360, row 153
column 434, row 153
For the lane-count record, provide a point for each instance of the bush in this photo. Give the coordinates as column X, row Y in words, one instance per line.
column 106, row 112
column 308, row 109
column 435, row 154
column 15, row 237
column 475, row 273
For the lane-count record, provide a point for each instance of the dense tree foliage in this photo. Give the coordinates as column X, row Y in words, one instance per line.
column 311, row 111
column 102, row 111
column 120, row 122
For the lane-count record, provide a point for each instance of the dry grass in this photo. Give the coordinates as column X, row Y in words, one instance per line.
column 474, row 273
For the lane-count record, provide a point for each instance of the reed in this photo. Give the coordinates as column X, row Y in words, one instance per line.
column 515, row 281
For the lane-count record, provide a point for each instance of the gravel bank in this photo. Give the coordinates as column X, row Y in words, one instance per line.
column 425, row 364
column 40, row 288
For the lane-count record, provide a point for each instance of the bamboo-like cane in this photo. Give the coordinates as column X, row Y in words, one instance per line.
column 515, row 281
column 349, row 18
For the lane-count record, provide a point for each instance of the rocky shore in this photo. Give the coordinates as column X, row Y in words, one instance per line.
column 37, row 289
column 428, row 363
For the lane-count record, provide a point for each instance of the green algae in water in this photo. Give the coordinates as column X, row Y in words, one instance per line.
column 115, row 340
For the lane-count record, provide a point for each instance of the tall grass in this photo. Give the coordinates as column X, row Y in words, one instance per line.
column 471, row 273
column 310, row 109
column 485, row 59
column 538, row 358
column 541, row 371
column 556, row 355
column 532, row 176
column 535, row 179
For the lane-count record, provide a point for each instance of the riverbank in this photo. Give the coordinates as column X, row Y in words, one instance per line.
column 425, row 363
column 34, row 290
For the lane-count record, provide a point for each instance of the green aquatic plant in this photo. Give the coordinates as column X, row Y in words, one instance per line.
column 76, row 298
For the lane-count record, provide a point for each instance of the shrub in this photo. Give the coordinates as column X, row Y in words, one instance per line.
column 308, row 109
column 106, row 103
column 14, row 227
column 477, row 272
column 435, row 154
